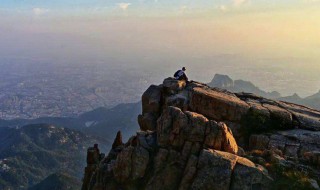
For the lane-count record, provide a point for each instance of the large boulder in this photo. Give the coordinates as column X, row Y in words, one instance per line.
column 151, row 100
column 214, row 170
column 176, row 127
column 151, row 108
column 280, row 117
column 307, row 118
column 147, row 122
column 217, row 105
column 247, row 175
column 219, row 137
column 222, row 170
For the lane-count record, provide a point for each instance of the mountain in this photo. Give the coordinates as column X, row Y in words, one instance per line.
column 101, row 122
column 225, row 82
column 295, row 98
column 107, row 122
column 58, row 181
column 193, row 136
column 222, row 81
column 313, row 97
column 33, row 152
column 311, row 101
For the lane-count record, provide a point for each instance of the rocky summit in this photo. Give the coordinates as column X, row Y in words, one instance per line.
column 196, row 137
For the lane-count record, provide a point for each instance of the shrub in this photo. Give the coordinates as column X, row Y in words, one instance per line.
column 288, row 178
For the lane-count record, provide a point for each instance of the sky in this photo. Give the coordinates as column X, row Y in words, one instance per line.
column 275, row 43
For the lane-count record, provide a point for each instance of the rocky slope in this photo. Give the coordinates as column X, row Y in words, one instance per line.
column 196, row 137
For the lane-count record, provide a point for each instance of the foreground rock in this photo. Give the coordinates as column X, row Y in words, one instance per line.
column 184, row 153
column 190, row 136
column 294, row 144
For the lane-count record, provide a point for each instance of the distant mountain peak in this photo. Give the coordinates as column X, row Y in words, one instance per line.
column 225, row 82
column 295, row 95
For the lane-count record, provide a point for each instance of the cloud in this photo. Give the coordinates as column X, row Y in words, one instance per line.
column 39, row 11
column 239, row 2
column 124, row 6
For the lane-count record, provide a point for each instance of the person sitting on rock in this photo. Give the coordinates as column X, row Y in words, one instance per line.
column 180, row 75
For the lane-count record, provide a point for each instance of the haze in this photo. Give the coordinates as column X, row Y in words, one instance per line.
column 274, row 44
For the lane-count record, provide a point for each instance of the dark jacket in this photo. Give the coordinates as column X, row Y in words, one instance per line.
column 180, row 75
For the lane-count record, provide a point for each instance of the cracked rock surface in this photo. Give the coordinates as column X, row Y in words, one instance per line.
column 194, row 137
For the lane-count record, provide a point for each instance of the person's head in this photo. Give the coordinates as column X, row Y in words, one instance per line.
column 183, row 68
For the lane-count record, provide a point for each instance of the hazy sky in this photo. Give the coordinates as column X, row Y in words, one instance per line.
column 273, row 43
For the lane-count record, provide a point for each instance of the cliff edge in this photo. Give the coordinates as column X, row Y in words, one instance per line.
column 196, row 137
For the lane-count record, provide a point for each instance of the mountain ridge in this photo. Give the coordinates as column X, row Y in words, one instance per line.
column 58, row 181
column 102, row 122
column 31, row 153
column 237, row 86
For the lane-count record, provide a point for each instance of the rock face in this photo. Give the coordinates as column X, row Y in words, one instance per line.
column 295, row 144
column 218, row 105
column 190, row 136
column 176, row 128
column 93, row 159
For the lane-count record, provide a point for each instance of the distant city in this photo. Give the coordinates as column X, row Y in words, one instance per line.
column 38, row 89
column 61, row 91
